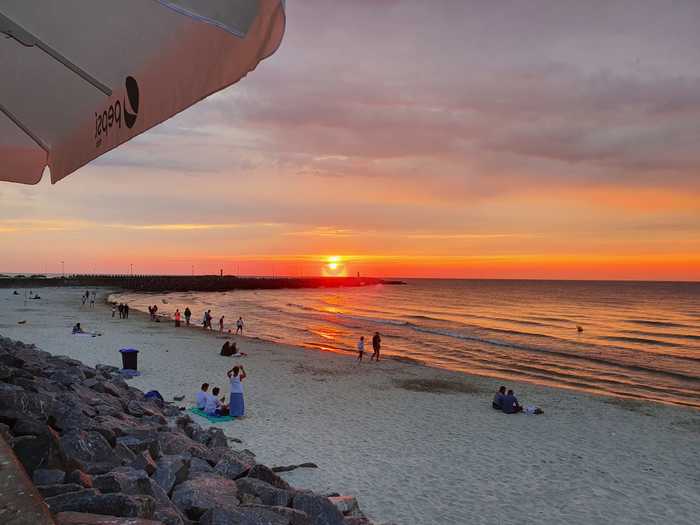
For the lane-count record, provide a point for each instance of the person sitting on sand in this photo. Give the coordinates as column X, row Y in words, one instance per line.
column 77, row 329
column 360, row 348
column 510, row 404
column 215, row 406
column 202, row 396
column 237, row 406
column 497, row 402
column 226, row 349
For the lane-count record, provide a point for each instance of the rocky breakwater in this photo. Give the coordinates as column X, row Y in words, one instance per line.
column 100, row 453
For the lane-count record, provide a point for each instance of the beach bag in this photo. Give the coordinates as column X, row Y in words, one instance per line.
column 153, row 394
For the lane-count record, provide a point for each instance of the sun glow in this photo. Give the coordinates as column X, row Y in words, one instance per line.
column 334, row 267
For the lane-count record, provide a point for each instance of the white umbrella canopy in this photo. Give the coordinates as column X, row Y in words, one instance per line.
column 80, row 77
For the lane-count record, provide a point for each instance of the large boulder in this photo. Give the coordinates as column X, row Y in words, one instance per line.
column 90, row 501
column 347, row 505
column 196, row 496
column 293, row 516
column 252, row 490
column 144, row 461
column 123, row 479
column 31, row 404
column 42, row 476
column 199, row 466
column 232, row 467
column 146, row 441
column 79, row 477
column 47, row 491
column 265, row 474
column 89, row 452
column 38, row 451
column 171, row 471
column 255, row 515
column 174, row 443
column 319, row 508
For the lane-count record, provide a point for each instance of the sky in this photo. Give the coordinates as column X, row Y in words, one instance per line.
column 543, row 139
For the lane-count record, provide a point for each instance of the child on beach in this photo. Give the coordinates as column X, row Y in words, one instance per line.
column 360, row 348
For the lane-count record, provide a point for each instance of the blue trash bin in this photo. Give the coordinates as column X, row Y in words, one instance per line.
column 130, row 358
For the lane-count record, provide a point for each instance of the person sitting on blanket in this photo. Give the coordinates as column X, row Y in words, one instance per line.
column 497, row 402
column 77, row 329
column 202, row 396
column 214, row 405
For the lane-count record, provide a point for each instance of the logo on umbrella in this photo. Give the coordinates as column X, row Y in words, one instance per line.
column 132, row 93
column 112, row 116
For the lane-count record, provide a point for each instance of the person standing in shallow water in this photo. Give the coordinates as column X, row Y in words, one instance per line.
column 376, row 346
column 360, row 348
column 188, row 314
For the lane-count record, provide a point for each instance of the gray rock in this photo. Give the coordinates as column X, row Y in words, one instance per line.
column 35, row 405
column 43, row 476
column 29, row 427
column 198, row 466
column 89, row 452
column 148, row 441
column 171, row 471
column 144, row 461
column 88, row 500
column 38, row 451
column 123, row 479
column 215, row 438
column 320, row 509
column 125, row 453
column 262, row 492
column 79, row 477
column 232, row 468
column 265, row 473
column 293, row 516
column 174, row 443
column 196, row 496
column 47, row 491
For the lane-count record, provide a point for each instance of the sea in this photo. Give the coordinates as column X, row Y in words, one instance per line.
column 631, row 339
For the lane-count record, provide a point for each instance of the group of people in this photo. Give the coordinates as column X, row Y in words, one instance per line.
column 376, row 346
column 153, row 312
column 506, row 402
column 213, row 405
column 89, row 296
column 123, row 310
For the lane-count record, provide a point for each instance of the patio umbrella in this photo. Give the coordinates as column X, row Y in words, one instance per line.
column 78, row 78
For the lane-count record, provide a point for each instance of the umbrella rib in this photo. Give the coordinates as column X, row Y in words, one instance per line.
column 24, row 128
column 24, row 37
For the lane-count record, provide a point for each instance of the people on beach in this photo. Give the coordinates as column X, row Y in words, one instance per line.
column 239, row 326
column 360, row 348
column 92, row 299
column 202, row 396
column 114, row 310
column 85, row 296
column 120, row 309
column 510, row 403
column 188, row 314
column 77, row 329
column 236, row 404
column 177, row 318
column 221, row 324
column 215, row 406
column 497, row 402
column 376, row 346
column 126, row 311
column 206, row 320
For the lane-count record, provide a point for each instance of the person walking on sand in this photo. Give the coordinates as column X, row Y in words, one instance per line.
column 239, row 326
column 92, row 299
column 85, row 297
column 221, row 324
column 120, row 308
column 177, row 318
column 360, row 348
column 126, row 311
column 236, row 405
column 376, row 346
column 114, row 310
column 188, row 314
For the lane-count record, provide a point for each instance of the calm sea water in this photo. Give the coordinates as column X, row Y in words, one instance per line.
column 639, row 339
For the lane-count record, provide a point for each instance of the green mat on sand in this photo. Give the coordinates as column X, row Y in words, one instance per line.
column 213, row 419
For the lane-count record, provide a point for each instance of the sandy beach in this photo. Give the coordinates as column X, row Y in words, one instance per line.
column 415, row 445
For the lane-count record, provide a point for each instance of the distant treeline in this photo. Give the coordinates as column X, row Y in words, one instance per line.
column 185, row 283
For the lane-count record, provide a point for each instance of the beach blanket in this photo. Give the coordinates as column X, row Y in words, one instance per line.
column 212, row 419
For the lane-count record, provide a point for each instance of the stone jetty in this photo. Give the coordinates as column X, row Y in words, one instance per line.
column 100, row 453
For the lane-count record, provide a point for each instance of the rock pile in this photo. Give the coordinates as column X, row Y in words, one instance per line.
column 98, row 451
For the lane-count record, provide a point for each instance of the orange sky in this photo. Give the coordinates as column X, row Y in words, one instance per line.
column 469, row 140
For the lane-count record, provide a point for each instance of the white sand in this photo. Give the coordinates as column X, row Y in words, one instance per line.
column 410, row 457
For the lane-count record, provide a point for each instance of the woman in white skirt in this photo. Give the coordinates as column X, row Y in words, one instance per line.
column 236, row 405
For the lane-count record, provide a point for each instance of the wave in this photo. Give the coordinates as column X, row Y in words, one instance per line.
column 641, row 340
column 647, row 322
column 692, row 337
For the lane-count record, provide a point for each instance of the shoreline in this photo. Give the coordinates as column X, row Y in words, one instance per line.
column 414, row 361
column 415, row 444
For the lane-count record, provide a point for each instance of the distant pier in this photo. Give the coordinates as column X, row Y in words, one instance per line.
column 186, row 283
